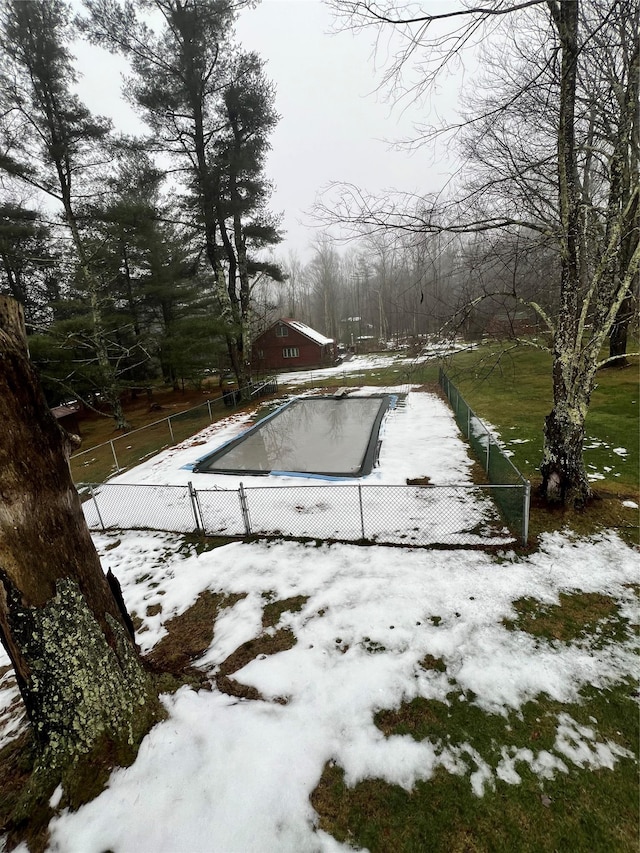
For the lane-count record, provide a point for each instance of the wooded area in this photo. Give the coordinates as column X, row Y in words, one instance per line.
column 550, row 142
column 153, row 259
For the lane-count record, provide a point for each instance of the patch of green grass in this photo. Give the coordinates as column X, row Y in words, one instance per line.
column 581, row 813
column 201, row 544
column 577, row 616
column 513, row 392
column 189, row 635
column 580, row 810
column 274, row 609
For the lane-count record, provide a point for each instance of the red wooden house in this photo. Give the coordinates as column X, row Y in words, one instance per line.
column 289, row 345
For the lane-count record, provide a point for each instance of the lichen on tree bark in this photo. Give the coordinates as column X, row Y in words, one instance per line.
column 78, row 688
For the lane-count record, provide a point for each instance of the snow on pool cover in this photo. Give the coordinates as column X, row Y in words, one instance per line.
column 324, row 436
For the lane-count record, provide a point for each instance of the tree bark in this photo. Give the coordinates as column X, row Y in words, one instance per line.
column 75, row 661
column 564, row 476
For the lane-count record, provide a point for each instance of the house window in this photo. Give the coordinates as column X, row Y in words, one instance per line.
column 282, row 331
column 260, row 353
column 290, row 352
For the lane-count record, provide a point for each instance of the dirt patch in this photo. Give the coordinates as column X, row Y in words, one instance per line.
column 273, row 611
column 189, row 635
column 431, row 663
column 418, row 481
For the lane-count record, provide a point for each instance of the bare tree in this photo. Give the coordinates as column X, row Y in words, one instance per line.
column 549, row 130
column 326, row 277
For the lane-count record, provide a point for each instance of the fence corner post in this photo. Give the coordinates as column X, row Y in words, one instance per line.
column 95, row 502
column 195, row 507
column 245, row 510
column 115, row 458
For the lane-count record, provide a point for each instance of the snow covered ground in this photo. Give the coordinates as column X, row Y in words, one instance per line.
column 229, row 775
column 226, row 775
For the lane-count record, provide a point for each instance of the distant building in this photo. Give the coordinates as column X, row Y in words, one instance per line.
column 67, row 417
column 512, row 324
column 289, row 345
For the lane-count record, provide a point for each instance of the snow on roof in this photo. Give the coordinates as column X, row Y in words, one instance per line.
column 64, row 411
column 307, row 330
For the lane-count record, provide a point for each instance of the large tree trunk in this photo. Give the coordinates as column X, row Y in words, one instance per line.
column 564, row 476
column 61, row 621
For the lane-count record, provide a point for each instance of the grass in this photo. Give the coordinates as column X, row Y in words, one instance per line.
column 577, row 809
column 583, row 812
column 578, row 615
column 514, row 394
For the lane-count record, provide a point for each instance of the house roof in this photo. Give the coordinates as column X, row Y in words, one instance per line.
column 64, row 411
column 306, row 330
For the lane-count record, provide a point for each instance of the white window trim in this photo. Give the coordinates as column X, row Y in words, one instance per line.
column 290, row 352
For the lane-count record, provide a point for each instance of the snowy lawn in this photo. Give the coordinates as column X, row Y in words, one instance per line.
column 433, row 689
column 378, row 630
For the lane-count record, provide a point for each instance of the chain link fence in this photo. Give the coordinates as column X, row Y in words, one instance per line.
column 450, row 515
column 118, row 454
column 500, row 470
column 456, row 515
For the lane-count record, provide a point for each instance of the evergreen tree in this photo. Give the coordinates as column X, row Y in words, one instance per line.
column 180, row 74
column 52, row 143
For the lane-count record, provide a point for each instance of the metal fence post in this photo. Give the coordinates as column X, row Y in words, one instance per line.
column 488, row 448
column 195, row 506
column 244, row 508
column 170, row 430
column 97, row 507
column 210, row 413
column 113, row 450
column 526, row 505
column 361, row 510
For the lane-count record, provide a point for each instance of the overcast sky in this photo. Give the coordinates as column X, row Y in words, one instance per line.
column 334, row 125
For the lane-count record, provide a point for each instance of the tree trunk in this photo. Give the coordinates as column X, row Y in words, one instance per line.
column 564, row 476
column 66, row 633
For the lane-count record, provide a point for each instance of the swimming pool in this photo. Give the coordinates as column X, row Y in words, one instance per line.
column 317, row 436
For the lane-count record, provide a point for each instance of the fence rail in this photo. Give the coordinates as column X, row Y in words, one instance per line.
column 454, row 515
column 499, row 469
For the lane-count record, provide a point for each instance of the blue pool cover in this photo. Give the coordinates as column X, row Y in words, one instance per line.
column 318, row 436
